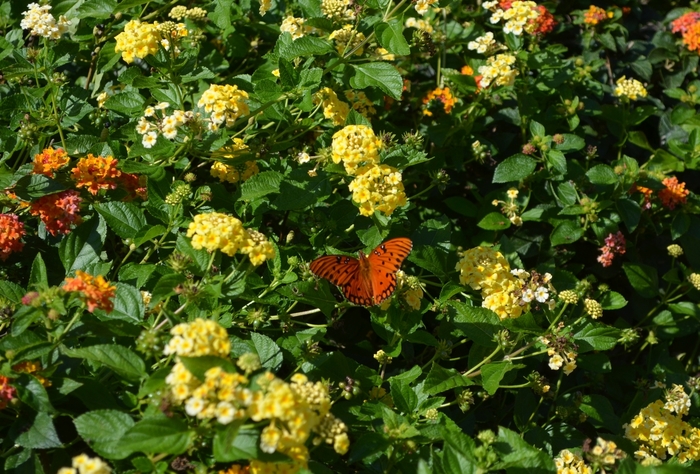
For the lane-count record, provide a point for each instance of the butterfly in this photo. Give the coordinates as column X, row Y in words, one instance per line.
column 369, row 280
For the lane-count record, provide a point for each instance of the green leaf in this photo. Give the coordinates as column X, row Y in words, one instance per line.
column 518, row 456
column 390, row 36
column 38, row 276
column 82, row 247
column 35, row 186
column 128, row 305
column 198, row 366
column 12, row 291
column 31, row 392
column 124, row 218
column 570, row 142
column 42, row 434
column 492, row 374
column 630, row 212
column 612, row 300
column 566, row 232
column 440, row 380
column 368, row 446
column 102, row 430
column 381, row 75
column 596, row 336
column 261, row 184
column 97, row 9
column 270, row 354
column 494, row 221
column 118, row 358
column 305, row 46
column 602, row 174
column 165, row 287
column 643, row 279
column 127, row 103
column 405, row 399
column 231, row 443
column 599, row 408
column 479, row 324
column 514, row 168
column 157, row 435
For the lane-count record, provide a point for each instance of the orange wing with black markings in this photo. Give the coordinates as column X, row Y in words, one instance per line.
column 369, row 280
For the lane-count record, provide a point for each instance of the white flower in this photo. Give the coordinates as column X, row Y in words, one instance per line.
column 149, row 139
column 482, row 43
column 143, row 126
column 555, row 362
column 303, row 157
column 162, row 105
column 225, row 413
column 170, row 132
column 541, row 294
column 149, row 112
column 195, row 405
column 528, row 295
column 569, row 367
column 512, row 193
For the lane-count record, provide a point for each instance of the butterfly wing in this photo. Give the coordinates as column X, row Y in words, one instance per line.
column 384, row 262
column 344, row 272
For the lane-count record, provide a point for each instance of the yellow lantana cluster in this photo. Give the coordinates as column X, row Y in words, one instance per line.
column 295, row 27
column 155, row 121
column 422, row 6
column 498, row 69
column 333, row 108
column 630, row 88
column 215, row 230
column 347, row 39
column 199, row 338
column 236, row 172
column 225, row 104
column 83, row 464
column 518, row 18
column 507, row 292
column 571, row 463
column 419, row 24
column 483, row 44
column 138, row 40
column 378, row 188
column 355, row 145
column 337, row 9
column 661, row 433
column 408, row 289
column 361, row 103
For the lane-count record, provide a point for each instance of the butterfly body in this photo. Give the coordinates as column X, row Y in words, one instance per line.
column 369, row 279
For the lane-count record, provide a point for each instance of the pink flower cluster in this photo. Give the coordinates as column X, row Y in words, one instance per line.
column 614, row 244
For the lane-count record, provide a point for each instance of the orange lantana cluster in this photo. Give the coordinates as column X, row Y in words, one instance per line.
column 671, row 196
column 439, row 96
column 49, row 161
column 11, row 232
column 688, row 25
column 595, row 15
column 96, row 291
column 96, row 172
column 7, row 391
column 59, row 212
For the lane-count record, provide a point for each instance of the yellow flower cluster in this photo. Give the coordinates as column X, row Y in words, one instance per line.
column 408, row 289
column 630, row 88
column 295, row 27
column 42, row 23
column 199, row 338
column 225, row 104
column 419, row 24
column 333, row 108
column 234, row 173
column 507, row 292
column 337, row 9
column 659, row 432
column 498, row 69
column 347, row 39
column 381, row 54
column 138, row 40
column 215, row 230
column 571, row 463
column 179, row 12
column 518, row 18
column 264, row 6
column 82, row 464
column 361, row 103
column 422, row 6
column 355, row 145
column 378, row 188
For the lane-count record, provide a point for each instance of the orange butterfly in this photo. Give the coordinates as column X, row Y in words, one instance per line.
column 369, row 280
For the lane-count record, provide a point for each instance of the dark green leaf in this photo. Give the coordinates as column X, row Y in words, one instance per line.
column 597, row 337
column 38, row 276
column 118, row 358
column 566, row 233
column 102, row 429
column 643, row 279
column 270, row 354
column 494, row 221
column 157, row 435
column 514, row 168
column 381, row 75
column 124, row 218
column 261, row 185
column 42, row 434
column 602, row 174
column 390, row 36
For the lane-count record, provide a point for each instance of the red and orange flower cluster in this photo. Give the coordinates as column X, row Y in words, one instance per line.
column 58, row 211
column 440, row 97
column 671, row 196
column 11, row 233
column 49, row 161
column 615, row 244
column 595, row 15
column 7, row 392
column 688, row 25
column 96, row 292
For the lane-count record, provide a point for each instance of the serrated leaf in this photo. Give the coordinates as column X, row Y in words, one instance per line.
column 643, row 279
column 129, row 102
column 479, row 324
column 97, row 9
column 602, row 174
column 124, row 218
column 566, row 232
column 12, row 291
column 493, row 373
column 514, row 168
column 305, row 46
column 81, row 248
column 570, row 142
column 390, row 36
column 31, row 392
column 121, row 359
column 157, row 435
column 612, row 300
column 270, row 354
column 42, row 434
column 38, row 276
column 630, row 212
column 35, row 186
column 381, row 75
column 102, row 429
column 494, row 221
column 128, row 305
column 261, row 184
column 440, row 379
column 597, row 337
